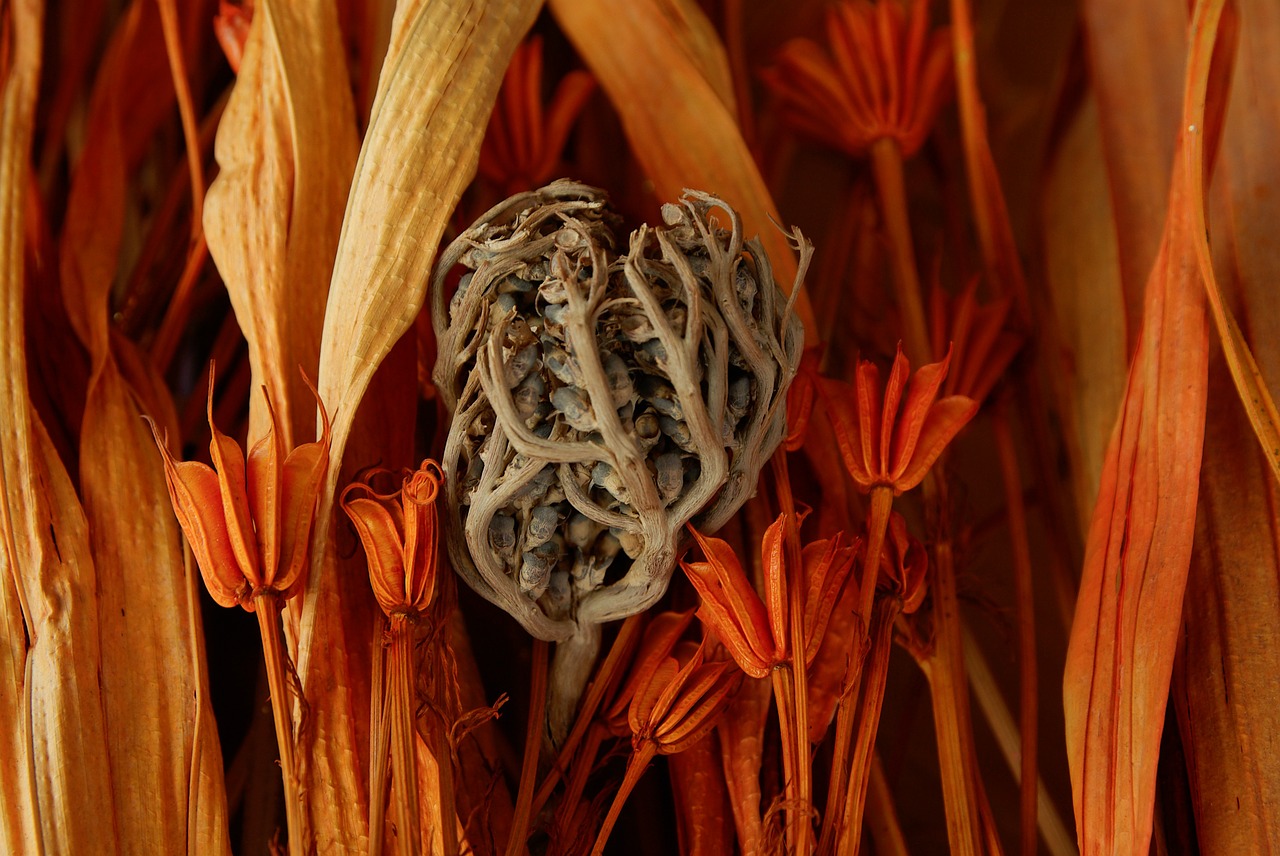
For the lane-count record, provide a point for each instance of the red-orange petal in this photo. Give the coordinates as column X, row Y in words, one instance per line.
column 869, row 400
column 889, row 414
column 228, row 460
column 263, row 482
column 302, row 479
column 839, row 398
column 194, row 492
column 827, row 566
column 944, row 421
column 773, row 554
column 732, row 592
column 750, row 654
column 915, row 410
column 382, row 547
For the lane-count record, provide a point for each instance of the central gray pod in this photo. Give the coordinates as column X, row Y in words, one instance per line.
column 602, row 399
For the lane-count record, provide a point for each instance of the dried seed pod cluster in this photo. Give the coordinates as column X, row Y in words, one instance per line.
column 602, row 399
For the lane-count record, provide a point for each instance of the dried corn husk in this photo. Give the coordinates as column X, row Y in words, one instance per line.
column 286, row 147
column 161, row 736
column 53, row 750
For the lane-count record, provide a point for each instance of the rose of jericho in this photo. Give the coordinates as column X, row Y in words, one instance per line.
column 601, row 400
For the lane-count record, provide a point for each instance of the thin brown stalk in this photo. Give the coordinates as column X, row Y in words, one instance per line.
column 982, row 682
column 1027, row 706
column 186, row 110
column 532, row 745
column 784, row 698
column 799, row 782
column 961, row 786
column 876, row 673
column 882, row 817
column 442, row 746
column 583, row 764
column 846, row 716
column 619, row 652
column 636, row 765
column 379, row 743
column 267, row 608
column 886, row 163
column 877, row 524
column 402, row 702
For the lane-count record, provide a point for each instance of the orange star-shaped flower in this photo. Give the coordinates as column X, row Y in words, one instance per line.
column 249, row 522
column 673, row 698
column 755, row 631
column 980, row 338
column 680, row 698
column 660, row 639
column 399, row 534
column 885, row 77
column 887, row 440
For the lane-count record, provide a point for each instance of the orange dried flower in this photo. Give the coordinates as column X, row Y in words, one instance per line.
column 885, row 77
column 523, row 144
column 681, row 699
column 249, row 522
column 399, row 534
column 755, row 631
column 887, row 441
column 660, row 639
column 982, row 342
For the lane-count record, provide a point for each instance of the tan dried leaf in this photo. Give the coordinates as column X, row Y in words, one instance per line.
column 286, row 146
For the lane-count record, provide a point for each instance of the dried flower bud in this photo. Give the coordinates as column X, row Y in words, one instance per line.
column 903, row 565
column 654, row 391
column 398, row 532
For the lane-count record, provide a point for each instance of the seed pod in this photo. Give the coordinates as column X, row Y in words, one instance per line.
column 662, row 368
column 542, row 524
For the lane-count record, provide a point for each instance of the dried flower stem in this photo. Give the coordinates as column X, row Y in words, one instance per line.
column 582, row 767
column 379, row 744
column 962, row 789
column 886, row 164
column 267, row 607
column 877, row 522
column 623, row 645
column 636, row 766
column 442, row 746
column 1027, row 705
column 404, row 760
column 1058, row 840
column 846, row 715
column 876, row 673
column 532, row 745
column 793, row 712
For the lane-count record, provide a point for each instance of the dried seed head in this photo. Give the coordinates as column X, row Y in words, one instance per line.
column 613, row 395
